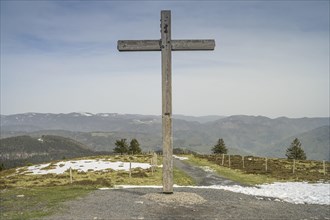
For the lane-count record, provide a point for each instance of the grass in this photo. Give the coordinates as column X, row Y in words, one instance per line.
column 33, row 196
column 182, row 179
column 32, row 203
column 43, row 194
column 123, row 158
column 235, row 175
column 278, row 169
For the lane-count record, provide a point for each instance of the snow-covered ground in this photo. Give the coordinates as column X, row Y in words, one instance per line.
column 83, row 166
column 180, row 158
column 207, row 169
column 293, row 192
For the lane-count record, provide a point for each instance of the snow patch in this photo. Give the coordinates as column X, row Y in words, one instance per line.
column 137, row 121
column 83, row 166
column 30, row 115
column 208, row 169
column 137, row 186
column 103, row 114
column 85, row 114
column 292, row 192
column 180, row 158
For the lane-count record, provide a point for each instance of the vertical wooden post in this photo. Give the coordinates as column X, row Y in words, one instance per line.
column 294, row 166
column 266, row 165
column 243, row 162
column 130, row 169
column 70, row 175
column 223, row 159
column 167, row 101
column 324, row 169
column 229, row 160
column 152, row 166
column 155, row 159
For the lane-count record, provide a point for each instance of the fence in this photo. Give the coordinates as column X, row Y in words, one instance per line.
column 279, row 168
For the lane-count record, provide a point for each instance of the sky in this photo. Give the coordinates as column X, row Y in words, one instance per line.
column 271, row 57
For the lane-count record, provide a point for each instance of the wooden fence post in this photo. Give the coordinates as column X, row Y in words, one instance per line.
column 130, row 169
column 294, row 166
column 266, row 166
column 223, row 159
column 229, row 160
column 70, row 175
column 153, row 162
column 324, row 170
column 155, row 159
column 243, row 162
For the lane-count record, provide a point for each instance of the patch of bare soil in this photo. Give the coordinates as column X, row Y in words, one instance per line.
column 179, row 198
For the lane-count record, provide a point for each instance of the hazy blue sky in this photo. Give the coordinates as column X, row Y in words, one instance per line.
column 271, row 57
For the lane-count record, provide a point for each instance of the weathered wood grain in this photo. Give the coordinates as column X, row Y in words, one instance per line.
column 139, row 45
column 155, row 45
column 167, row 102
column 186, row 45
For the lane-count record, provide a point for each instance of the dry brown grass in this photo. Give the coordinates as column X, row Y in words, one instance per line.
column 280, row 169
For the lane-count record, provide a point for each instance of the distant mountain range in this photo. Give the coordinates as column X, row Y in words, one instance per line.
column 247, row 135
column 87, row 122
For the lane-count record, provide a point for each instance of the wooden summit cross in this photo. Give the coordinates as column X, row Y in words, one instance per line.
column 166, row 45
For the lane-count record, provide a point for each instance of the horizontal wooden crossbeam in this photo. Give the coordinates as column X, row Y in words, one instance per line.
column 139, row 45
column 155, row 45
column 182, row 45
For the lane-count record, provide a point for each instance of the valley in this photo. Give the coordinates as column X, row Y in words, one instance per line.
column 243, row 135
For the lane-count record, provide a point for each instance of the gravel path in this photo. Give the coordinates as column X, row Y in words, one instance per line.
column 218, row 204
column 149, row 203
column 203, row 177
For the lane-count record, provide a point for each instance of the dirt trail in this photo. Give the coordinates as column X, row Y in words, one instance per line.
column 203, row 177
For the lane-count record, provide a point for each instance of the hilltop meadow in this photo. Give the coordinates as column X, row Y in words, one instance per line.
column 47, row 159
column 25, row 194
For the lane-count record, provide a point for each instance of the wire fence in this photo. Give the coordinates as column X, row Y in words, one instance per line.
column 309, row 170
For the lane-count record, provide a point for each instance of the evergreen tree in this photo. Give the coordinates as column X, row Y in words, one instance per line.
column 2, row 167
column 121, row 147
column 134, row 147
column 220, row 147
column 295, row 151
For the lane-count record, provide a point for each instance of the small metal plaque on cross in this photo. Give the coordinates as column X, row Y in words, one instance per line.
column 166, row 45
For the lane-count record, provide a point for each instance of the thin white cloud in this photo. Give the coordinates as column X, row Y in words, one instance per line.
column 271, row 58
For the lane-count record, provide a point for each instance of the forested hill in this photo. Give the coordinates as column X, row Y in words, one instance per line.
column 315, row 143
column 246, row 135
column 21, row 150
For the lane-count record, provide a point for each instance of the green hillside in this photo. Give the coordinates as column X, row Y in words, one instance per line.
column 243, row 135
column 21, row 150
column 315, row 143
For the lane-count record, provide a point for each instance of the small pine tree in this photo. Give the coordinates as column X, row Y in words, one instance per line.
column 121, row 147
column 295, row 151
column 134, row 147
column 220, row 147
column 2, row 167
